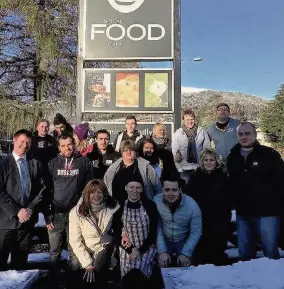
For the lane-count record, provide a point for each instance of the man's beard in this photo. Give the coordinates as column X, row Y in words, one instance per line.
column 150, row 158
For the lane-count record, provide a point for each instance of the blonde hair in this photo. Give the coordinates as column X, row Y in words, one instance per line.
column 212, row 153
column 156, row 127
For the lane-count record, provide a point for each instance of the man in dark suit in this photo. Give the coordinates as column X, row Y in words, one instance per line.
column 21, row 192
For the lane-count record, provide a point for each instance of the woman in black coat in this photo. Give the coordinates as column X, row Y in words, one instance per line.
column 209, row 187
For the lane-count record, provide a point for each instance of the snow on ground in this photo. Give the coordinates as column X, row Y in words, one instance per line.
column 44, row 257
column 233, row 253
column 256, row 274
column 17, row 279
column 41, row 221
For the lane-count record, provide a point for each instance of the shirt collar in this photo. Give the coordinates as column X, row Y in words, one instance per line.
column 16, row 157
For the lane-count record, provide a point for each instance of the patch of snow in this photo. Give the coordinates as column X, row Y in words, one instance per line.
column 256, row 274
column 234, row 216
column 41, row 221
column 41, row 257
column 17, row 279
column 188, row 89
column 44, row 257
column 233, row 253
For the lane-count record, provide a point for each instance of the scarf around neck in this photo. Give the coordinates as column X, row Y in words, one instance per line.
column 97, row 208
column 191, row 134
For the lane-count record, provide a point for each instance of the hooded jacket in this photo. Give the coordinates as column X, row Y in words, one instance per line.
column 257, row 182
column 101, row 162
column 224, row 140
column 68, row 178
column 136, row 137
column 84, row 238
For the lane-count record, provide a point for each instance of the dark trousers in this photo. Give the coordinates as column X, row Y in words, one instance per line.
column 212, row 245
column 101, row 263
column 16, row 242
column 58, row 240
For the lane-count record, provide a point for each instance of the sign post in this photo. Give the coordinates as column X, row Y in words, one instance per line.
column 128, row 30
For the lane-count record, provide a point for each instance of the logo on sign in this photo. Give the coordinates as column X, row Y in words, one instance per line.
column 125, row 6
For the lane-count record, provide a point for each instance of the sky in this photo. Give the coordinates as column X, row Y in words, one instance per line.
column 241, row 42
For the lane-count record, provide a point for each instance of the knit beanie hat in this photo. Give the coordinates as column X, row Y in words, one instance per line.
column 59, row 119
column 223, row 104
column 81, row 130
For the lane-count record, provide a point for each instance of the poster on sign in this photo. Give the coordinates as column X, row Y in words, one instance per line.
column 127, row 89
column 156, row 90
column 98, row 90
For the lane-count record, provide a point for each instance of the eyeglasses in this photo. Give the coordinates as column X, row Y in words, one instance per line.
column 128, row 150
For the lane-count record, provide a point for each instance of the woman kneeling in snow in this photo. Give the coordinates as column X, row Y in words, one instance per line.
column 90, row 236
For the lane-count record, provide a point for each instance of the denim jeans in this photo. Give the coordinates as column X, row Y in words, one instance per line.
column 174, row 250
column 58, row 239
column 267, row 229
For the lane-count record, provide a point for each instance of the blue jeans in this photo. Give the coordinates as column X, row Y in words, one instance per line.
column 174, row 250
column 58, row 239
column 267, row 229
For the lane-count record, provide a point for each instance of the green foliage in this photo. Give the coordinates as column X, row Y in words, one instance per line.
column 272, row 119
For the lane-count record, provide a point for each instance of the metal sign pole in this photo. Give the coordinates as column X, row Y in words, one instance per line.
column 177, row 64
column 80, row 65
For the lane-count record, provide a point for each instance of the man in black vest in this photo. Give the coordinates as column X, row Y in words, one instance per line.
column 103, row 154
column 21, row 192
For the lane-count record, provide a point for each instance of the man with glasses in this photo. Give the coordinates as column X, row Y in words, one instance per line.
column 223, row 133
column 256, row 174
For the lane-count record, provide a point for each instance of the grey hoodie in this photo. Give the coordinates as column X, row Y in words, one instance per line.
column 224, row 140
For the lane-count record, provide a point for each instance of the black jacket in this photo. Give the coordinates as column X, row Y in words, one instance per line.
column 66, row 184
column 68, row 130
column 257, row 182
column 151, row 211
column 136, row 135
column 43, row 149
column 11, row 195
column 101, row 162
column 212, row 194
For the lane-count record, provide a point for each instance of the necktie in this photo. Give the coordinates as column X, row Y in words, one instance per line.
column 25, row 179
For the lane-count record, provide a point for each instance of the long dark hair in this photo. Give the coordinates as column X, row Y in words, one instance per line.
column 92, row 186
column 154, row 158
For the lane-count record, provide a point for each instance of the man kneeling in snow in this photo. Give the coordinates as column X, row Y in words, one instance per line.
column 179, row 227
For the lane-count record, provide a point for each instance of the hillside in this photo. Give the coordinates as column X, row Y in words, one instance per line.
column 203, row 102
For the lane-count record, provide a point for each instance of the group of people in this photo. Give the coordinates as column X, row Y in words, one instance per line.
column 144, row 201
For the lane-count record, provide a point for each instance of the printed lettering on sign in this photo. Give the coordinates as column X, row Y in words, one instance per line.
column 119, row 29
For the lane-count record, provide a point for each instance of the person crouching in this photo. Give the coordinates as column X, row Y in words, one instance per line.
column 90, row 236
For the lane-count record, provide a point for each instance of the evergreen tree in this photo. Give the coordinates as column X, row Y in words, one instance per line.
column 272, row 118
